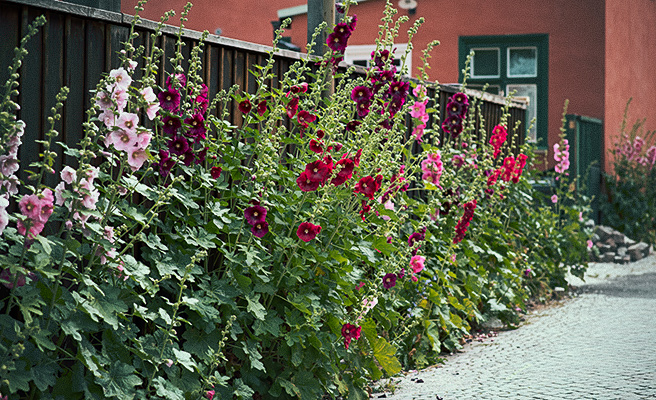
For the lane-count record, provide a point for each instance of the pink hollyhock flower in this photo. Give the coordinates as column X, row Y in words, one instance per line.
column 89, row 200
column 121, row 78
column 123, row 140
column 136, row 158
column 360, row 285
column 209, row 394
column 260, row 229
column 59, row 190
column 4, row 216
column 104, row 101
column 169, row 362
column 419, row 91
column 143, row 139
column 8, row 165
column 418, row 132
column 554, row 199
column 589, row 243
column 148, row 94
column 35, row 227
column 581, row 216
column 307, row 231
column 417, row 263
column 389, row 280
column 152, row 110
column 527, row 272
column 255, row 214
column 418, row 109
column 68, row 175
column 128, row 122
column 121, row 99
column 414, row 277
column 30, row 206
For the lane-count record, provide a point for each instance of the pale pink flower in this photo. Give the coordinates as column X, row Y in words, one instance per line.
column 11, row 184
column 68, row 175
column 89, row 200
column 581, row 216
column 389, row 205
column 128, row 122
column 108, row 233
column 4, row 216
column 136, row 158
column 109, row 119
column 554, row 199
column 152, row 110
column 143, row 139
column 148, row 94
column 123, row 140
column 132, row 65
column 589, row 244
column 59, row 190
column 417, row 263
column 104, row 101
column 122, row 79
column 121, row 98
column 8, row 165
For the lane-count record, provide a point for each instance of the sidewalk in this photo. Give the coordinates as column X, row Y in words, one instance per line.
column 599, row 345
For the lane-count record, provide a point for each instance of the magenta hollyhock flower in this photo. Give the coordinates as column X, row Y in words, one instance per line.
column 417, row 263
column 245, row 106
column 307, row 231
column 260, row 229
column 305, row 118
column 460, row 98
column 175, row 81
column 216, row 172
column 363, row 108
column 292, row 107
column 415, row 237
column 418, row 109
column 171, row 125
column 463, row 223
column 169, row 100
column 255, row 214
column 389, row 280
column 337, row 42
column 352, row 126
column 210, row 394
column 34, row 225
column 306, row 184
column 166, row 163
column 317, row 171
column 399, row 90
column 527, row 272
column 455, row 108
column 197, row 126
column 261, row 107
column 7, row 279
column 361, row 94
column 380, row 58
column 189, row 157
column 179, row 145
column 589, row 243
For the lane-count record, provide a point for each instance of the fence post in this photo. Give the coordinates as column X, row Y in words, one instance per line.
column 318, row 12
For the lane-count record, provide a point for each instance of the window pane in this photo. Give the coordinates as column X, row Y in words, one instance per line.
column 523, row 61
column 530, row 92
column 485, row 63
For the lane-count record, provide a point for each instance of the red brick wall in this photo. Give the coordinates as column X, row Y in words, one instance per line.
column 630, row 64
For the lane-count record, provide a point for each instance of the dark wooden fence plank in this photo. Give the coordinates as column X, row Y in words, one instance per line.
column 74, row 79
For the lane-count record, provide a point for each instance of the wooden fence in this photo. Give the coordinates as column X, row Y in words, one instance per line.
column 79, row 43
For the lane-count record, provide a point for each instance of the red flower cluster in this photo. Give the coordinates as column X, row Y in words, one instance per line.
column 456, row 109
column 463, row 224
column 350, row 332
column 499, row 135
column 307, row 231
column 512, row 168
column 255, row 215
column 245, row 106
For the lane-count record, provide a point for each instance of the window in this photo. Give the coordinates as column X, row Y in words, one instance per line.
column 361, row 55
column 512, row 64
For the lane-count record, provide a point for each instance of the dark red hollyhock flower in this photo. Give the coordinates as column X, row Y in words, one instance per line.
column 356, row 159
column 306, row 184
column 189, row 157
column 460, row 98
column 197, row 126
column 202, row 103
column 320, row 134
column 367, row 186
column 200, row 156
column 261, row 107
column 305, row 118
column 171, row 125
column 179, row 145
column 463, row 223
column 260, row 229
column 245, row 106
column 381, row 58
column 166, row 163
column 328, row 162
column 350, row 332
column 389, row 280
column 316, row 147
column 345, row 173
column 360, row 94
column 351, row 126
column 354, row 21
column 399, row 90
column 296, row 89
column 255, row 214
column 307, row 231
column 454, row 108
column 292, row 107
column 337, row 42
column 343, row 29
column 317, row 171
column 363, row 108
column 401, row 273
column 339, row 7
column 337, row 146
column 216, row 172
column 169, row 100
column 416, row 237
column 366, row 208
column 175, row 81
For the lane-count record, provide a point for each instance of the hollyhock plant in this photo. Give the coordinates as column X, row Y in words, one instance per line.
column 306, row 184
column 121, row 78
column 305, row 118
column 215, row 172
column 171, row 125
column 499, row 135
column 350, row 332
column 245, row 106
column 368, row 186
column 307, row 231
column 169, row 100
column 260, row 229
column 463, row 223
column 316, row 147
column 261, row 108
column 292, row 107
column 317, row 171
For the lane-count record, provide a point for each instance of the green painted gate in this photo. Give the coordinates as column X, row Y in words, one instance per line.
column 586, row 135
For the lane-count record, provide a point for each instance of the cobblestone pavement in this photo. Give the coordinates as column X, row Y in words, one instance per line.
column 599, row 345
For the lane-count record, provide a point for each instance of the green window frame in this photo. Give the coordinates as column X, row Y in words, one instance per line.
column 522, row 64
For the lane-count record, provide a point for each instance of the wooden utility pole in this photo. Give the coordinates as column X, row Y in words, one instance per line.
column 318, row 12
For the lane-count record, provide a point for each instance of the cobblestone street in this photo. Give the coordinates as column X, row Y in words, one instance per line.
column 599, row 345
